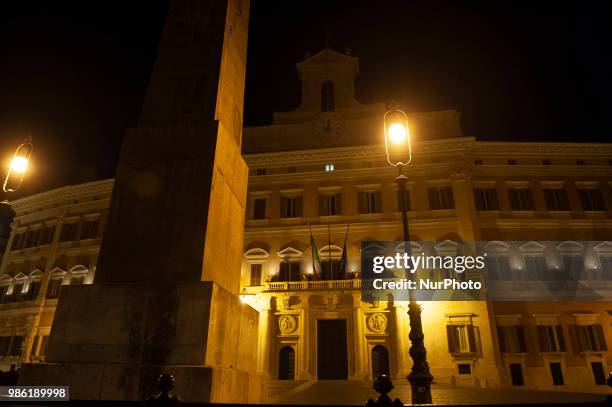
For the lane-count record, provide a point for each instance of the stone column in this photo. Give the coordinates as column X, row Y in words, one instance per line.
column 361, row 364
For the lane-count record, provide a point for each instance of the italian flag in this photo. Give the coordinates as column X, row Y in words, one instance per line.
column 316, row 263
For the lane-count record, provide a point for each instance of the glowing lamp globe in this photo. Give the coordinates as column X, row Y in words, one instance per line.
column 18, row 166
column 397, row 138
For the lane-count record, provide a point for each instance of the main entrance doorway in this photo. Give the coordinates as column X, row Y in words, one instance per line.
column 332, row 356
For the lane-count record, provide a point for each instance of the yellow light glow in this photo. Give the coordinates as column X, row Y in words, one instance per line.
column 397, row 133
column 19, row 164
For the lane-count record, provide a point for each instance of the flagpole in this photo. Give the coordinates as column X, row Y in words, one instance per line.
column 329, row 247
column 313, row 249
column 343, row 249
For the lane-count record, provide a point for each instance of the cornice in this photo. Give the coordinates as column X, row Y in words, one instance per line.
column 61, row 194
column 503, row 148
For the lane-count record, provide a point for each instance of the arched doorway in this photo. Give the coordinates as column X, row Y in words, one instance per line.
column 380, row 361
column 286, row 363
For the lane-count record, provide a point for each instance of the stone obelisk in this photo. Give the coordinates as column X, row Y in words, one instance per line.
column 165, row 292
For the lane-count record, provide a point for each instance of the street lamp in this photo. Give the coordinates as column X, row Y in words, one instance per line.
column 399, row 154
column 18, row 166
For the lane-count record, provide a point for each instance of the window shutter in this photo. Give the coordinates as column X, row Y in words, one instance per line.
column 560, row 337
column 283, row 207
column 581, row 338
column 478, row 198
column 542, row 339
column 601, row 340
column 298, row 206
column 450, row 200
column 434, row 200
column 378, row 201
column 323, row 211
column 338, row 204
column 361, row 198
column 521, row 338
column 452, row 342
column 513, row 195
column 471, row 338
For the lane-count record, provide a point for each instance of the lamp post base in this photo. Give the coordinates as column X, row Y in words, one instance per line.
column 420, row 383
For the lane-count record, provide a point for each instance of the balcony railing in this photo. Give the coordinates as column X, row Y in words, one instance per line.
column 309, row 285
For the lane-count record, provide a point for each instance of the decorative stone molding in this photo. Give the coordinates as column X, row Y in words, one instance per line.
column 287, row 324
column 377, row 322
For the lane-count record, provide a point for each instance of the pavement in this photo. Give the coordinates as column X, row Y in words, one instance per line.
column 342, row 392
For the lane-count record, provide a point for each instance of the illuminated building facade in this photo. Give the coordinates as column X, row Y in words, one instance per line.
column 322, row 168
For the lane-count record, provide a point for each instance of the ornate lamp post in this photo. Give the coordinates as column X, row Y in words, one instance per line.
column 399, row 154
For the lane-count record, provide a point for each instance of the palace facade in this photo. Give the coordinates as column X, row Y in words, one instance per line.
column 322, row 169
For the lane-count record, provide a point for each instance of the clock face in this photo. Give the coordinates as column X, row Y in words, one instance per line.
column 328, row 127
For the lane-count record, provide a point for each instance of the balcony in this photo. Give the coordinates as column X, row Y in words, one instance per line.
column 308, row 285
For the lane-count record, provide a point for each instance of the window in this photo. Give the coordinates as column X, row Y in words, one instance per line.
column 579, row 162
column 557, row 374
column 286, row 363
column 477, row 162
column 511, row 162
column 551, row 338
column 15, row 346
column 5, row 341
column 521, row 199
column 259, row 208
column 535, row 268
column 260, row 171
column 330, row 204
column 289, row 271
column 380, row 361
column 47, row 233
column 53, row 290
column 498, row 268
column 256, row 274
column 4, row 298
column 591, row 199
column 89, row 229
column 407, row 200
column 369, row 202
column 68, row 232
column 606, row 267
column 77, row 279
column 32, row 238
column 591, row 338
column 329, row 167
column 545, row 162
column 511, row 339
column 17, row 292
column 516, row 373
column 18, row 241
column 291, row 169
column 464, row 368
column 441, row 198
column 486, row 199
column 43, row 345
column 33, row 290
column 291, row 206
column 461, row 338
column 598, row 373
column 573, row 265
column 327, row 96
column 556, row 199
column 330, row 270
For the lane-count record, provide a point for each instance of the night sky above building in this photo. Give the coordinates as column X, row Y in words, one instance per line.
column 74, row 75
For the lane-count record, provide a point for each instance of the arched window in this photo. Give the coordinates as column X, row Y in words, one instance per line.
column 327, row 96
column 380, row 361
column 286, row 364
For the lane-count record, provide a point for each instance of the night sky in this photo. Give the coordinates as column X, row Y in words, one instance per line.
column 75, row 74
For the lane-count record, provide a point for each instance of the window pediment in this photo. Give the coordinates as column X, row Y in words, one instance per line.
column 570, row 246
column 289, row 253
column 532, row 247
